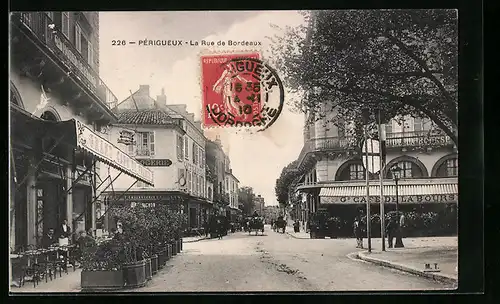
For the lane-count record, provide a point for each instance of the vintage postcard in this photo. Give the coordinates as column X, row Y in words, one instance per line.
column 233, row 151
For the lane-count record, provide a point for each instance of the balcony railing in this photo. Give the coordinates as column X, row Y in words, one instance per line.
column 53, row 39
column 393, row 140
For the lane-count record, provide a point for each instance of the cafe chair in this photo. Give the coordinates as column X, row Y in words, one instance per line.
column 31, row 268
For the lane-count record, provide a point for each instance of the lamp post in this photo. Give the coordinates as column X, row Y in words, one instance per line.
column 396, row 171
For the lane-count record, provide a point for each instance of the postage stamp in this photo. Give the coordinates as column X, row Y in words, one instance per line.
column 240, row 90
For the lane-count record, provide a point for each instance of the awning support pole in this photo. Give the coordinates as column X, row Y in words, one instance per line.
column 102, row 182
column 96, row 198
column 118, row 199
column 81, row 176
column 34, row 169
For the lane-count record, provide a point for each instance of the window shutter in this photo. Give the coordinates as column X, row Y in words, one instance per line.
column 90, row 53
column 65, row 23
column 152, row 143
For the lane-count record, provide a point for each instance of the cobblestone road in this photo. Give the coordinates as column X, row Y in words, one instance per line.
column 277, row 262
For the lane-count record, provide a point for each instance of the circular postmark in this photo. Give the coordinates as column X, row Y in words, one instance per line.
column 251, row 95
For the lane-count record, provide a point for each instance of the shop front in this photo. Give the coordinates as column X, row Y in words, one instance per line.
column 54, row 175
column 429, row 204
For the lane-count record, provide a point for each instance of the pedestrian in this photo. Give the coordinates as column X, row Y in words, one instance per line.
column 358, row 232
column 49, row 239
column 390, row 231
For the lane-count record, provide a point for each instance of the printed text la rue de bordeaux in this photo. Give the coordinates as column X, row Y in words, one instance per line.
column 177, row 43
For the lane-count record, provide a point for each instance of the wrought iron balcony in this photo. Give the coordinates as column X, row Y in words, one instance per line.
column 42, row 27
column 435, row 138
column 143, row 152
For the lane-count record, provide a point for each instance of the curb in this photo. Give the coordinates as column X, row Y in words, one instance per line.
column 434, row 276
column 295, row 237
column 194, row 241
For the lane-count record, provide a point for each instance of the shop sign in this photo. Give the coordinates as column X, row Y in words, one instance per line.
column 408, row 199
column 155, row 162
column 105, row 150
column 145, row 205
column 149, row 197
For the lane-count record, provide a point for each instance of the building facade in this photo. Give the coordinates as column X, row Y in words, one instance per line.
column 231, row 189
column 168, row 141
column 335, row 175
column 216, row 174
column 60, row 110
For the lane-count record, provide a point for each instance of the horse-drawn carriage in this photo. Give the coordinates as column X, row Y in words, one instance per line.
column 256, row 224
column 280, row 225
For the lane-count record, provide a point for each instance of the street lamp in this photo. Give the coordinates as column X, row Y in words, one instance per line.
column 396, row 175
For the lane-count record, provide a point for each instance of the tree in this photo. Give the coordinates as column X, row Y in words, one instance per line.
column 289, row 175
column 401, row 62
column 246, row 197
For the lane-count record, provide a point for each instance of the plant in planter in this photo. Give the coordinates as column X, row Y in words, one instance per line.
column 102, row 267
column 136, row 225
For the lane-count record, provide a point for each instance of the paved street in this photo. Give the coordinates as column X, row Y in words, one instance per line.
column 277, row 262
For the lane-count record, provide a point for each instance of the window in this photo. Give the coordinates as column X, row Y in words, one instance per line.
column 202, row 158
column 180, row 147
column 190, row 181
column 452, row 167
column 90, row 54
column 406, row 171
column 195, row 153
column 356, row 171
column 388, row 127
column 418, row 124
column 65, row 23
column 145, row 143
column 131, row 149
column 186, row 148
column 78, row 38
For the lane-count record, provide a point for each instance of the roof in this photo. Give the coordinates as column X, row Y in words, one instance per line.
column 145, row 117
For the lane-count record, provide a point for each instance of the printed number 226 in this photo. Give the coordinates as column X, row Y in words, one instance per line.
column 118, row 42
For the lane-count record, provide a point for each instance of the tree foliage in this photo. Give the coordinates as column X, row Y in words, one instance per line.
column 289, row 175
column 246, row 197
column 401, row 62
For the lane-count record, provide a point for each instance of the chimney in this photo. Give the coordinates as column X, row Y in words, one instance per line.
column 162, row 99
column 144, row 90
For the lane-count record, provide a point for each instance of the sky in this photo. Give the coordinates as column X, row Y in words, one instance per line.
column 256, row 158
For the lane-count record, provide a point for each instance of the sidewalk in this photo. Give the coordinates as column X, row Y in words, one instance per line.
column 67, row 283
column 416, row 254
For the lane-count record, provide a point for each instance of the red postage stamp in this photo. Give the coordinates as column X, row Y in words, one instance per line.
column 231, row 93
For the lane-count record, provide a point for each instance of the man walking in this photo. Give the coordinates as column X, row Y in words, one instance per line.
column 390, row 231
column 358, row 232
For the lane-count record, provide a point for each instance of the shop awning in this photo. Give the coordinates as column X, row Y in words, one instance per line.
column 415, row 191
column 434, row 189
column 77, row 134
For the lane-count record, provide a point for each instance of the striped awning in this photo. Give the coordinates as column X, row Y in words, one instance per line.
column 427, row 189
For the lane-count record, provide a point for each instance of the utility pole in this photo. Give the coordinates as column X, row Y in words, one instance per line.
column 381, row 137
column 368, row 213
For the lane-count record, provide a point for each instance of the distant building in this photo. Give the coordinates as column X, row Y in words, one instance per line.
column 271, row 212
column 259, row 204
column 170, row 143
column 231, row 188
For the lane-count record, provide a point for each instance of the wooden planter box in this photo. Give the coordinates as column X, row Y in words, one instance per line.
column 148, row 269
column 135, row 274
column 161, row 259
column 154, row 264
column 169, row 251
column 174, row 248
column 102, row 280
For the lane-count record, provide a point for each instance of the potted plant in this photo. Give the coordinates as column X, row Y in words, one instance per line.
column 102, row 267
column 136, row 223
